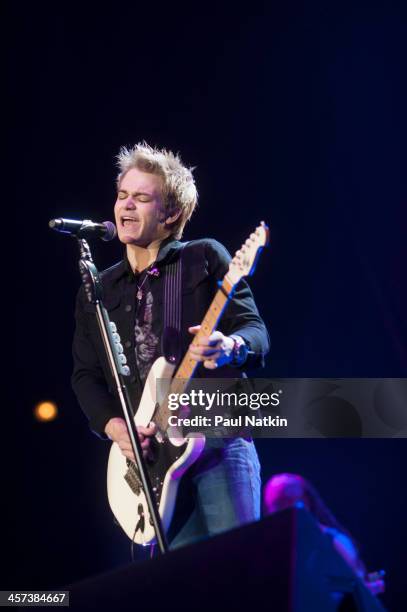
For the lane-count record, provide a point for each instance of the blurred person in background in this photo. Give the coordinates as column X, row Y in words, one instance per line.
column 286, row 490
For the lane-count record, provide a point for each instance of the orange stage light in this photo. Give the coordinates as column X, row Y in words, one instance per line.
column 46, row 411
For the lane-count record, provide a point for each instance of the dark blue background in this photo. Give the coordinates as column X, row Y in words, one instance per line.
column 292, row 112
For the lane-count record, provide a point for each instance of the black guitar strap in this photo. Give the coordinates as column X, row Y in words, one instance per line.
column 172, row 334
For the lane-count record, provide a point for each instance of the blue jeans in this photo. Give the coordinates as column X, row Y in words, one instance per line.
column 224, row 489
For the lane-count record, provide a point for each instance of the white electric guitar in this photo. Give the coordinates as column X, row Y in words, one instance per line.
column 173, row 455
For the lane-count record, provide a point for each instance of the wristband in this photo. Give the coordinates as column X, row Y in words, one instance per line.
column 239, row 351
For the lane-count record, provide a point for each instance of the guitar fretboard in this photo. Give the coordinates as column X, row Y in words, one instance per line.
column 188, row 365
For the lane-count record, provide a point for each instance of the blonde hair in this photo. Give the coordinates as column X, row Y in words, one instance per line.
column 179, row 190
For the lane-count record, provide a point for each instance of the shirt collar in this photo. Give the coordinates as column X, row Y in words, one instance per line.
column 168, row 247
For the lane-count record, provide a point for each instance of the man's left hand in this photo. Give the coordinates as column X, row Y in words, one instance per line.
column 215, row 350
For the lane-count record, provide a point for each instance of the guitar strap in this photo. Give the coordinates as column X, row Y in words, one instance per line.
column 172, row 334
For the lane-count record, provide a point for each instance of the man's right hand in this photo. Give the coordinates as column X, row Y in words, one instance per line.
column 116, row 430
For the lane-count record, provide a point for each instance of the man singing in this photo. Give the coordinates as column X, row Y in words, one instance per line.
column 156, row 196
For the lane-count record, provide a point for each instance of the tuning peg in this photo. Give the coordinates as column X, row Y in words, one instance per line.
column 119, row 347
column 113, row 326
column 125, row 370
column 116, row 337
column 122, row 358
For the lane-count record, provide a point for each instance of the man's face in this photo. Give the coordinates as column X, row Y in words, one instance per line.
column 139, row 209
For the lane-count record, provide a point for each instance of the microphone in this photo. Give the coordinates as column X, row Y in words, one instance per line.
column 106, row 230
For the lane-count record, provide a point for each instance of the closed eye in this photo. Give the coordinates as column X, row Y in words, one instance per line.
column 141, row 197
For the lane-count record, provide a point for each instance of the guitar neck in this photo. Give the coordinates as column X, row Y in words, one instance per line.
column 188, row 365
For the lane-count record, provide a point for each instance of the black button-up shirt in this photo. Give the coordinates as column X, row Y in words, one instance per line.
column 204, row 263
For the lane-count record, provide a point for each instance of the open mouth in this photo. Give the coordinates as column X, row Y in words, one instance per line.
column 128, row 221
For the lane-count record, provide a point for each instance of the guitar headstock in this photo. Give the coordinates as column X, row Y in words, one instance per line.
column 245, row 260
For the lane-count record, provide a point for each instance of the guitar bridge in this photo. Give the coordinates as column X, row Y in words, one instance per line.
column 132, row 478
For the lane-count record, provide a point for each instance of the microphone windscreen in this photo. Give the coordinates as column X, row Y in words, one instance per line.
column 111, row 231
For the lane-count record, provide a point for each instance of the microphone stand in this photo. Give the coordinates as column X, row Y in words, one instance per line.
column 117, row 361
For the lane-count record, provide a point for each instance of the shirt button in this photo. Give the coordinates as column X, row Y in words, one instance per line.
column 127, row 308
column 127, row 344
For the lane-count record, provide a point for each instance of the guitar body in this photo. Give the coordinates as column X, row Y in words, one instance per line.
column 172, row 457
